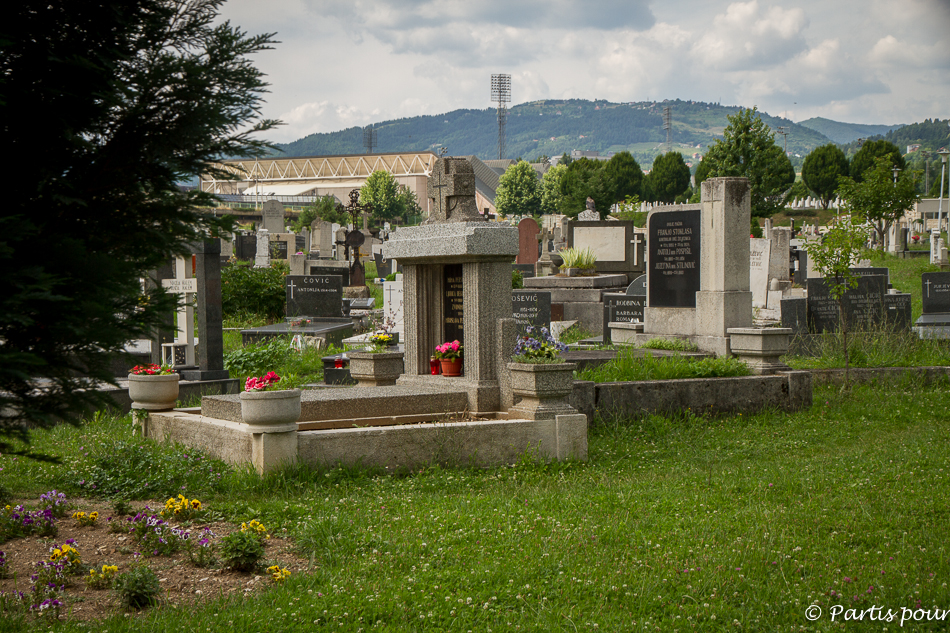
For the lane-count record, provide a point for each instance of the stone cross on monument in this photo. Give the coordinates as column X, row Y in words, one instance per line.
column 452, row 188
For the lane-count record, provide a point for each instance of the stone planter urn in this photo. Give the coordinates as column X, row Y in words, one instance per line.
column 543, row 388
column 155, row 392
column 271, row 411
column 376, row 369
column 451, row 366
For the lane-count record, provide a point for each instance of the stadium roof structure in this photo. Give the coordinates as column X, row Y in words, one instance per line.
column 320, row 170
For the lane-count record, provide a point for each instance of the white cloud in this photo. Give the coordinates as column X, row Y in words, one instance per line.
column 747, row 37
column 353, row 63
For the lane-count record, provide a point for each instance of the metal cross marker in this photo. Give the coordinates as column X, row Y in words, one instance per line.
column 927, row 283
column 291, row 286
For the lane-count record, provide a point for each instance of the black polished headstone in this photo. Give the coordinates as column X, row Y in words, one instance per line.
column 674, row 245
column 531, row 307
column 897, row 309
column 452, row 300
column 935, row 292
column 278, row 249
column 526, row 270
column 314, row 295
column 801, row 273
column 621, row 307
column 795, row 314
column 863, row 304
column 245, row 247
column 867, row 272
column 638, row 287
column 300, row 244
column 316, row 269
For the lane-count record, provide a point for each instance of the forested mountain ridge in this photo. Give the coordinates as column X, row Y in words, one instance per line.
column 845, row 132
column 554, row 126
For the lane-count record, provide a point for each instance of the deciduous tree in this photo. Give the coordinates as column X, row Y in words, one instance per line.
column 877, row 198
column 821, row 170
column 382, row 192
column 833, row 256
column 106, row 106
column 748, row 149
column 326, row 208
column 519, row 191
column 551, row 189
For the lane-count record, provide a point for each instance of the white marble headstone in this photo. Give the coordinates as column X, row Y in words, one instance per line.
column 393, row 304
column 759, row 251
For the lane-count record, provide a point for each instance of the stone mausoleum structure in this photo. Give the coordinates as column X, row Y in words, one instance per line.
column 457, row 284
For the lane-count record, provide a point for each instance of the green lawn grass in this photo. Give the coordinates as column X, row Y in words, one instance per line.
column 674, row 524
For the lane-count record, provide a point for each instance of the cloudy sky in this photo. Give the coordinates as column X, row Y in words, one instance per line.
column 342, row 63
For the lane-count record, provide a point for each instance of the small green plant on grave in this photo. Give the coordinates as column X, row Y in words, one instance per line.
column 121, row 507
column 629, row 366
column 103, row 577
column 517, row 280
column 582, row 258
column 243, row 550
column 201, row 549
column 138, row 587
column 574, row 334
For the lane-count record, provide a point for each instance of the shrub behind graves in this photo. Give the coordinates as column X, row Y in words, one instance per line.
column 258, row 358
column 257, row 291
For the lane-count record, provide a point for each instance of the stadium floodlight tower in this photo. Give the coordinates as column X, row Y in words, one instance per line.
column 668, row 126
column 501, row 94
column 369, row 138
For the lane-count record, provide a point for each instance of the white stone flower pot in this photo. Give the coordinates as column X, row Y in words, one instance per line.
column 271, row 411
column 153, row 392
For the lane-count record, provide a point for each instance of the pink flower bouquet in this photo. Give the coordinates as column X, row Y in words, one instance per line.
column 449, row 351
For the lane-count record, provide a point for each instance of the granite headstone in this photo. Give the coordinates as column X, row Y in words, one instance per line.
column 314, row 295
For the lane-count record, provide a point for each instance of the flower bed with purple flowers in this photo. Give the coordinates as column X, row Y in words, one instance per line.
column 74, row 577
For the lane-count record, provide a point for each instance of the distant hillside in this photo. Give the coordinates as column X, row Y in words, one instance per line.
column 552, row 127
column 845, row 132
column 930, row 134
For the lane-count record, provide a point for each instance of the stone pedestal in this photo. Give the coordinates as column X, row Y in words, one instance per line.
column 441, row 261
column 761, row 348
column 543, row 389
